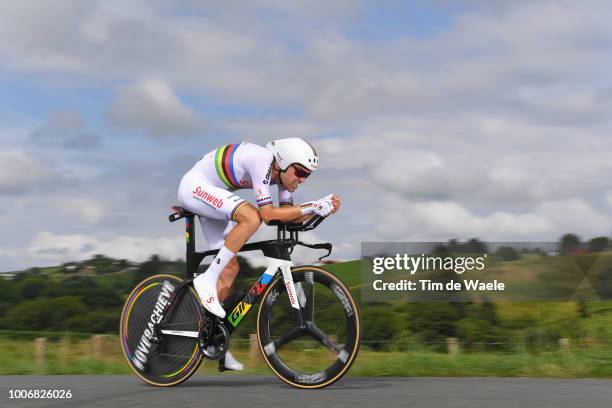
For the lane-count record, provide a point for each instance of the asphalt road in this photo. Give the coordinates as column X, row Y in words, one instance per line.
column 249, row 391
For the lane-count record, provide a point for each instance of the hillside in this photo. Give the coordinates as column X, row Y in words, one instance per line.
column 87, row 297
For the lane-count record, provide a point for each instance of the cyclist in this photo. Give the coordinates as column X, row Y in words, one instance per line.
column 228, row 221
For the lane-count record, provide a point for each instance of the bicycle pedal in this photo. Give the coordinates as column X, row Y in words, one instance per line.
column 222, row 366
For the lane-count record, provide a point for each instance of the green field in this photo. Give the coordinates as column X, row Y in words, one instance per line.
column 72, row 356
column 348, row 272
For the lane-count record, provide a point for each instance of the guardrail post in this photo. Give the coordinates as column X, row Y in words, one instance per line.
column 40, row 346
column 63, row 349
column 452, row 344
column 254, row 355
column 97, row 343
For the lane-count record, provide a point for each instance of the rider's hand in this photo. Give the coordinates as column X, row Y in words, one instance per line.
column 335, row 200
column 323, row 206
column 335, row 203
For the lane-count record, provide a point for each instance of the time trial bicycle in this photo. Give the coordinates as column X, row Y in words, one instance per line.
column 308, row 341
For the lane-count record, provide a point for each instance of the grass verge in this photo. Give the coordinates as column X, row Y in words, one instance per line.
column 76, row 356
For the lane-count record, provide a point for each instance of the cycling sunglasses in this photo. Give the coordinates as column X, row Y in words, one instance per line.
column 300, row 172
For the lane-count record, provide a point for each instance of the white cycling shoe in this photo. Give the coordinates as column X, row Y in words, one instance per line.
column 207, row 291
column 231, row 363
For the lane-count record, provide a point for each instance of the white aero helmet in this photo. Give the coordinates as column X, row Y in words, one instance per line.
column 294, row 150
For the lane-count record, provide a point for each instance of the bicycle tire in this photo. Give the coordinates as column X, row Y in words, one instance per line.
column 340, row 300
column 176, row 358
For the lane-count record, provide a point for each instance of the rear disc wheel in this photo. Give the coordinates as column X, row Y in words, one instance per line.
column 171, row 359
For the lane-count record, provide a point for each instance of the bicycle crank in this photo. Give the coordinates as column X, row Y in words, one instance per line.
column 213, row 339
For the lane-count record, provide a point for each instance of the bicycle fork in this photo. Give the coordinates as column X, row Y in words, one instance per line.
column 294, row 291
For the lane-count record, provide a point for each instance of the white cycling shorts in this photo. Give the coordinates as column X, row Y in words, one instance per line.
column 214, row 206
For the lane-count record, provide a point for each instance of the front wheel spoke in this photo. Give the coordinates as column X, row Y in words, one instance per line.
column 310, row 304
column 324, row 339
column 288, row 337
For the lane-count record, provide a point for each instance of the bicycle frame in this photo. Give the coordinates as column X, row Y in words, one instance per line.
column 274, row 266
column 278, row 257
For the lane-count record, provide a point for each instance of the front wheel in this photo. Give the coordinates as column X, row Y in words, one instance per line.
column 321, row 351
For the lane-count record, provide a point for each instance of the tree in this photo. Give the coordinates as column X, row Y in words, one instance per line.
column 32, row 286
column 149, row 268
column 568, row 244
column 488, row 313
column 96, row 298
column 435, row 321
column 474, row 246
column 380, row 325
column 8, row 289
column 507, row 253
column 44, row 313
column 598, row 244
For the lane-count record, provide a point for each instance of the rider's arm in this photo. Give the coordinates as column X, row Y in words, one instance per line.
column 285, row 213
column 285, row 199
column 293, row 213
column 260, row 170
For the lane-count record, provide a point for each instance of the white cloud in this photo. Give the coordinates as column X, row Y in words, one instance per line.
column 608, row 197
column 65, row 128
column 413, row 172
column 88, row 210
column 480, row 160
column 21, row 172
column 481, row 62
column 440, row 220
column 7, row 253
column 66, row 120
column 154, row 107
column 575, row 215
column 400, row 219
column 265, row 129
column 476, row 63
column 50, row 248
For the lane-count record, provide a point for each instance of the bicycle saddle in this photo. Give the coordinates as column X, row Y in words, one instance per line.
column 179, row 212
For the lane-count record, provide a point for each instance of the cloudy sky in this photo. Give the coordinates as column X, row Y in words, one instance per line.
column 434, row 119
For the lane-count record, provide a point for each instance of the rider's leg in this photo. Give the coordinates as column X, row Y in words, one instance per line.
column 216, row 209
column 248, row 221
column 228, row 275
column 224, row 288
